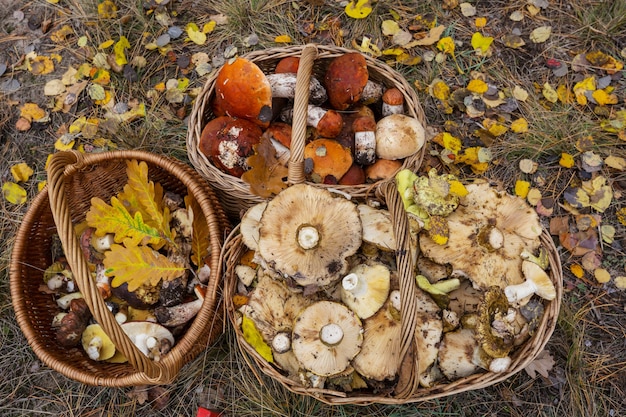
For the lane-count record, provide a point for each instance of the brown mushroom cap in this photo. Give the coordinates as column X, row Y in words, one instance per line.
column 345, row 79
column 486, row 218
column 329, row 158
column 227, row 142
column 307, row 234
column 288, row 64
column 330, row 124
column 326, row 337
column 382, row 169
column 242, row 90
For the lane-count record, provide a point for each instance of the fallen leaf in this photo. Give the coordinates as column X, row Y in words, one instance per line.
column 534, row 196
column 390, row 27
column 615, row 162
column 519, row 93
column 621, row 216
column 32, row 112
column 209, row 27
column 21, row 172
column 477, row 86
column 567, row 160
column 468, row 10
column 41, row 65
column 603, row 98
column 439, row 89
column 513, row 41
column 13, row 193
column 433, row 36
column 542, row 365
column 604, row 61
column 480, row 22
column 521, row 188
column 283, row 39
column 608, row 233
column 517, row 16
column 54, row 87
column 620, row 282
column 107, row 10
column 359, row 9
column 481, row 42
column 119, row 48
column 446, row 45
column 519, row 126
column 550, row 93
column 577, row 270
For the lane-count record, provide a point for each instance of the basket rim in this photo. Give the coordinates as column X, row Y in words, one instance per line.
column 521, row 358
column 187, row 345
column 234, row 192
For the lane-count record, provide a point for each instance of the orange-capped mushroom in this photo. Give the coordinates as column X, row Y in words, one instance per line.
column 288, row 64
column 242, row 90
column 382, row 169
column 329, row 158
column 279, row 134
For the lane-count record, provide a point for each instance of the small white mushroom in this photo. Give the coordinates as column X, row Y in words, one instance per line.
column 152, row 339
column 284, row 86
column 537, row 282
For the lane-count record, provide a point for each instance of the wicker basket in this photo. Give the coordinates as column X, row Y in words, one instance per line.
column 410, row 390
column 74, row 179
column 235, row 193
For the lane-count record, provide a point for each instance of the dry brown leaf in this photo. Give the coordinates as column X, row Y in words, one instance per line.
column 542, row 364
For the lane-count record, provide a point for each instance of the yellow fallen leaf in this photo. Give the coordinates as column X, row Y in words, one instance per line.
column 540, row 34
column 390, row 27
column 103, row 101
column 621, row 216
column 254, row 338
column 519, row 126
column 434, row 34
column 106, row 44
column 41, row 185
column 107, row 10
column 521, row 188
column 564, row 95
column 101, row 76
column 519, row 93
column 577, row 270
column 480, row 22
column 567, row 160
column 41, row 65
column 21, row 172
column 209, row 27
column 13, row 193
column 439, row 89
column 446, row 45
column 367, row 46
column 359, row 9
column 32, row 112
column 119, row 48
column 481, row 42
column 602, row 275
column 60, row 35
column 457, row 188
column 283, row 39
column 494, row 127
column 602, row 98
column 477, row 86
column 446, row 140
column 588, row 84
column 65, row 142
column 604, row 61
column 534, row 196
column 513, row 41
column 615, row 162
column 550, row 93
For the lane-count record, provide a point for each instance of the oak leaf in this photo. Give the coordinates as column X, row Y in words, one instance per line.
column 139, row 265
column 266, row 173
column 542, row 364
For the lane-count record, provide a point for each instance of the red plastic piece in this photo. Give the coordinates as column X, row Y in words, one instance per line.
column 203, row 412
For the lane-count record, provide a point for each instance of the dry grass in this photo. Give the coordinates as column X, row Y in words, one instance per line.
column 588, row 378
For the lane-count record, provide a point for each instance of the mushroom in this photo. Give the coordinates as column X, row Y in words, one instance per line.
column 152, row 339
column 377, row 227
column 72, row 324
column 307, row 234
column 364, row 129
column 326, row 337
column 537, row 282
column 181, row 313
column 354, row 176
column 497, row 344
column 345, row 80
column 250, row 223
column 102, row 243
column 379, row 356
column 239, row 78
column 283, row 85
column 487, row 232
column 456, row 354
column 280, row 135
column 428, row 331
column 97, row 343
column 329, row 158
column 393, row 102
column 382, row 169
column 228, row 142
column 288, row 64
column 327, row 123
column 465, row 300
column 365, row 289
column 398, row 136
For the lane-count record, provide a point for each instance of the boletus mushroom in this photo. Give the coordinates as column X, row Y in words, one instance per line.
column 326, row 336
column 306, row 234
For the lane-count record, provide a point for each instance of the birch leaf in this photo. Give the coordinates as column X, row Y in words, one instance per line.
column 13, row 193
column 139, row 265
column 119, row 48
column 199, row 233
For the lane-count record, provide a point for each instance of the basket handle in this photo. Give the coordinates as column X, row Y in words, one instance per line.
column 300, row 110
column 61, row 166
column 405, row 260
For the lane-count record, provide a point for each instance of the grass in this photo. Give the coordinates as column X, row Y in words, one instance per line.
column 588, row 378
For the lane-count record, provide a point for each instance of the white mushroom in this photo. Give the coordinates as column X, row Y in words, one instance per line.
column 398, row 136
column 537, row 282
column 365, row 289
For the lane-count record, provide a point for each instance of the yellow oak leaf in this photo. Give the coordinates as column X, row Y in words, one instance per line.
column 13, row 193
column 120, row 51
column 481, row 42
column 139, row 265
column 359, row 9
column 21, row 172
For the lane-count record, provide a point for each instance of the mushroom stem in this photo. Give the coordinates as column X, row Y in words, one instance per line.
column 537, row 282
column 94, row 347
column 331, row 334
column 496, row 238
column 308, row 237
column 352, row 283
column 364, row 129
column 281, row 343
column 393, row 102
column 180, row 314
column 394, row 296
column 284, row 86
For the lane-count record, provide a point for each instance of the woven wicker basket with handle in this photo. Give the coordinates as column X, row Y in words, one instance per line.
column 235, row 193
column 73, row 180
column 407, row 388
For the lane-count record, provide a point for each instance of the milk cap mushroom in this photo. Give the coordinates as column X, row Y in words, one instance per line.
column 152, row 339
column 537, row 282
column 487, row 233
column 329, row 158
column 379, row 358
column 250, row 223
column 242, row 90
column 456, row 354
column 97, row 343
column 494, row 344
column 365, row 289
column 399, row 136
column 228, row 142
column 326, row 336
column 377, row 227
column 307, row 234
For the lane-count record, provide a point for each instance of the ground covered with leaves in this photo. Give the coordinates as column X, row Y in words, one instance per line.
column 530, row 94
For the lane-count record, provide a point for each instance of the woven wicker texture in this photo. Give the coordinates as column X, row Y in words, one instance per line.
column 73, row 179
column 234, row 193
column 407, row 389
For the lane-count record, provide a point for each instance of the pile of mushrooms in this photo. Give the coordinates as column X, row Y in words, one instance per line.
column 319, row 288
column 153, row 316
column 358, row 131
